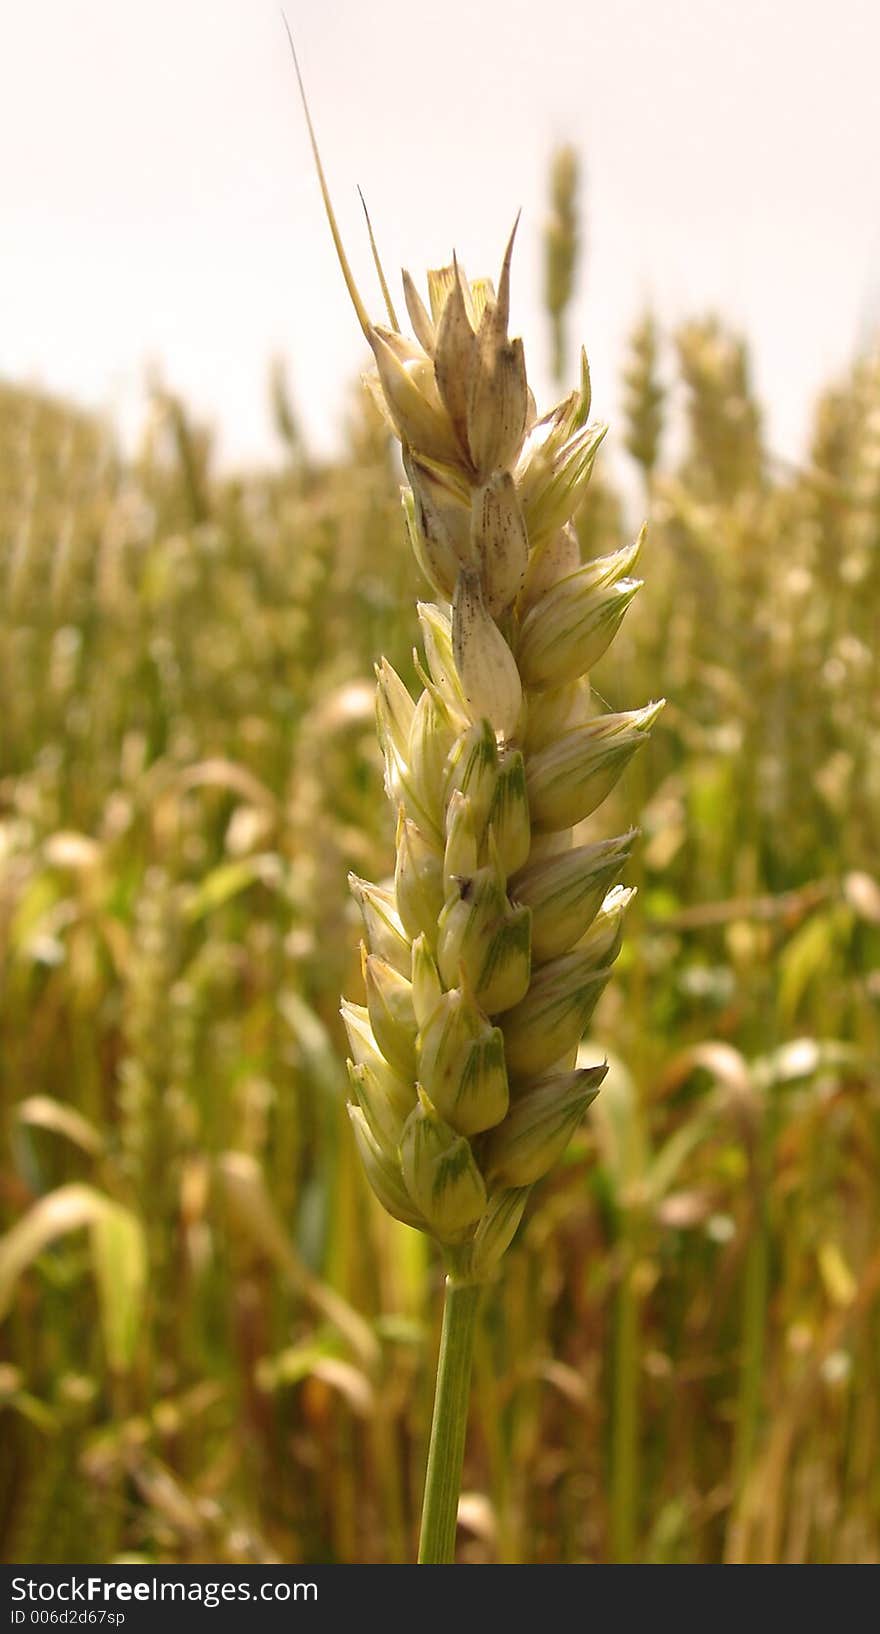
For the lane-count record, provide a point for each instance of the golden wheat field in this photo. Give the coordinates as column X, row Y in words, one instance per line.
column 216, row 1347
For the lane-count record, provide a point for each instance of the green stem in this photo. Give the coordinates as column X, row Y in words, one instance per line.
column 754, row 1308
column 625, row 1431
column 449, row 1425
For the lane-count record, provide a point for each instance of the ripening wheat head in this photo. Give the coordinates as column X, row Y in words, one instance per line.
column 484, row 957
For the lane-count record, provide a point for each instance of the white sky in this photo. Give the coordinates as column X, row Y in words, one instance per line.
column 157, row 200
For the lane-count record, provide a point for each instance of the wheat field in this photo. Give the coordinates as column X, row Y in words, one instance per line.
column 215, row 1345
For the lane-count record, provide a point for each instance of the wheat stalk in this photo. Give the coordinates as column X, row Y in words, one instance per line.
column 485, row 954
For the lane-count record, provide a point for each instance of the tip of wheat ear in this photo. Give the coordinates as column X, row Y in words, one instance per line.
column 351, row 286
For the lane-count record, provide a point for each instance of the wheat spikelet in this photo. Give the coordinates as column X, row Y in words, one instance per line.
column 561, row 249
column 724, row 420
column 644, row 397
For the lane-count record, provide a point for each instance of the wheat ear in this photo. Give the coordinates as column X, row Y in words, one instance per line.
column 484, row 956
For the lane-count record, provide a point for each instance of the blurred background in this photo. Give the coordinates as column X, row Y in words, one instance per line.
column 214, row 1346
